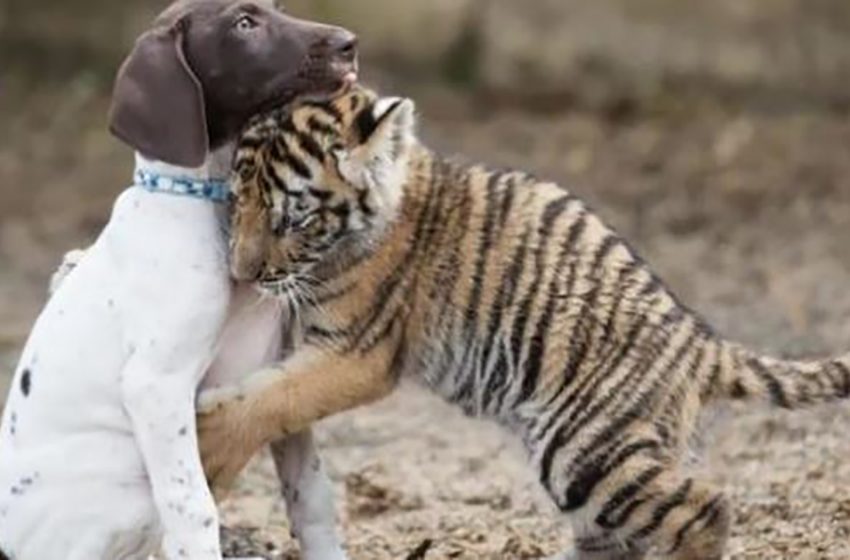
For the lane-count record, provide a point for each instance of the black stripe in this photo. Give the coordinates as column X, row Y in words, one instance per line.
column 652, row 287
column 552, row 211
column 385, row 291
column 616, row 425
column 675, row 394
column 507, row 202
column 591, row 474
column 716, row 369
column 285, row 124
column 353, row 103
column 382, row 334
column 501, row 385
column 276, row 150
column 470, row 362
column 709, row 509
column 588, row 387
column 504, row 298
column 537, row 343
column 579, row 344
column 485, row 244
column 250, row 142
column 450, row 258
column 326, row 107
column 365, row 124
column 579, row 349
column 298, row 166
column 842, row 386
column 311, row 147
column 637, row 409
column 603, row 341
column 280, row 152
column 327, row 295
column 455, row 208
column 276, row 180
column 624, row 495
column 774, row 386
column 315, row 125
column 591, row 382
column 663, row 510
column 522, row 315
column 359, row 326
column 621, row 291
column 498, row 379
column 320, row 194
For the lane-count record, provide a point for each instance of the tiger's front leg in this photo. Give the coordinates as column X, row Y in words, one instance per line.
column 236, row 422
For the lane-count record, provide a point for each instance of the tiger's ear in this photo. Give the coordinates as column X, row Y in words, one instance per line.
column 387, row 130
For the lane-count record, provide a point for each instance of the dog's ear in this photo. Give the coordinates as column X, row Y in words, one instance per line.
column 158, row 103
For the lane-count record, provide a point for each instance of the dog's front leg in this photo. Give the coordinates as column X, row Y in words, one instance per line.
column 309, row 497
column 160, row 400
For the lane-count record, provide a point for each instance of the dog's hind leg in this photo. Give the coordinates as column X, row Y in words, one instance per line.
column 309, row 497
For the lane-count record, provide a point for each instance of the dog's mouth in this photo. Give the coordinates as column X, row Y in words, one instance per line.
column 333, row 79
column 349, row 72
column 329, row 77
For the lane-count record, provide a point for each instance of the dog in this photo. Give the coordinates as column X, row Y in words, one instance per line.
column 98, row 448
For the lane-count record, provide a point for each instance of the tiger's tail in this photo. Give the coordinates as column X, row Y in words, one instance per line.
column 741, row 374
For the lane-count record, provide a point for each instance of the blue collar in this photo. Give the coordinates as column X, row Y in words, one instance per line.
column 214, row 190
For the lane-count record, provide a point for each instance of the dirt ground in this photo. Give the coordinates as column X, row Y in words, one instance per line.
column 746, row 213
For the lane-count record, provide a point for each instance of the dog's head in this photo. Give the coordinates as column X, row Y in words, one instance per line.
column 207, row 66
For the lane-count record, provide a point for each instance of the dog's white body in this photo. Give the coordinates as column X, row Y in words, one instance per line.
column 98, row 450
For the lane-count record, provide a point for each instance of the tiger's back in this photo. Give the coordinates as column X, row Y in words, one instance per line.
column 511, row 298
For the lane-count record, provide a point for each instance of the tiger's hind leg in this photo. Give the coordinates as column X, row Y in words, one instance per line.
column 701, row 529
column 681, row 517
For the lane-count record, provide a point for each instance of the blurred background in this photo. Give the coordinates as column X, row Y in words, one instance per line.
column 715, row 135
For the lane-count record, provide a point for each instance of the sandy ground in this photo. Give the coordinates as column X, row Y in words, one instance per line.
column 745, row 213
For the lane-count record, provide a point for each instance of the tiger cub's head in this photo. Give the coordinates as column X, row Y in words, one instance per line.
column 308, row 180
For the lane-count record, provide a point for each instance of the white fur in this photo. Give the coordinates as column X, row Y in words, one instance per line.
column 99, row 461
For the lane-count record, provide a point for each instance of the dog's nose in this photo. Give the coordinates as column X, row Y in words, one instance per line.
column 346, row 47
column 342, row 45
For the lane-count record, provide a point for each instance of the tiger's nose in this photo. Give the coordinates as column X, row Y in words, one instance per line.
column 245, row 267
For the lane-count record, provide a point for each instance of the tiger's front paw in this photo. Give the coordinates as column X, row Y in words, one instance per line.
column 226, row 437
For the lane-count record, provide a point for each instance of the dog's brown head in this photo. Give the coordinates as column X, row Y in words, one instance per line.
column 207, row 66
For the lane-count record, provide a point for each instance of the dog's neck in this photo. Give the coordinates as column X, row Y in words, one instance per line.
column 209, row 182
column 216, row 167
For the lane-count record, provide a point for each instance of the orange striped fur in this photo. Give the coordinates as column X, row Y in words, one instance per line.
column 506, row 295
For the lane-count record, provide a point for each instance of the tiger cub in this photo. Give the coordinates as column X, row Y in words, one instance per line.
column 507, row 296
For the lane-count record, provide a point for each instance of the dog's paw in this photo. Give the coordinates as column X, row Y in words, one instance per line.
column 69, row 263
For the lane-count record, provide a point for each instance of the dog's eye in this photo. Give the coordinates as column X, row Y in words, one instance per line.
column 246, row 23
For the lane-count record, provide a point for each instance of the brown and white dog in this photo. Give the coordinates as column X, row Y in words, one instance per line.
column 98, row 452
